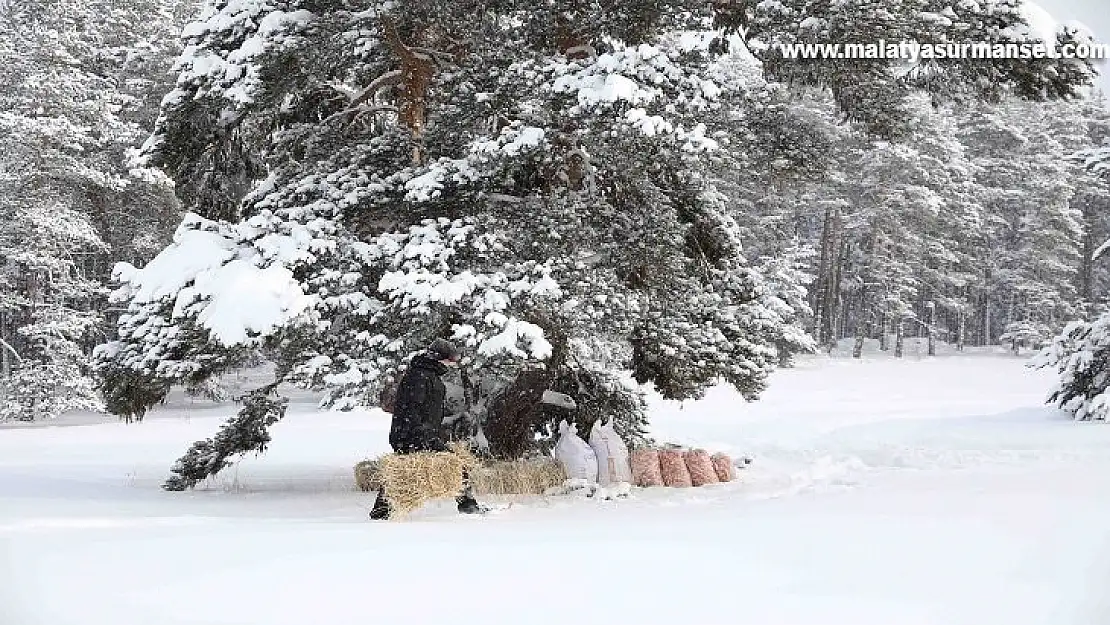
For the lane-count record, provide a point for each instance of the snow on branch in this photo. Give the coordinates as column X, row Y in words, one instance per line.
column 228, row 286
column 357, row 105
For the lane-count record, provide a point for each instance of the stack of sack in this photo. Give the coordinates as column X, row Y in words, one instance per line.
column 604, row 460
column 679, row 468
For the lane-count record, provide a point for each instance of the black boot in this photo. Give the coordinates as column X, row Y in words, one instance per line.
column 381, row 507
column 466, row 501
column 469, row 505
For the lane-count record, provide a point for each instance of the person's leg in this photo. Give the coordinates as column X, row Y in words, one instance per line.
column 466, row 501
column 381, row 509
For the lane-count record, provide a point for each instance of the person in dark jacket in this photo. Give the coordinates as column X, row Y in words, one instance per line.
column 418, row 416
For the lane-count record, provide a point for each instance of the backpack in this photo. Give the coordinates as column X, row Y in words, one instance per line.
column 387, row 398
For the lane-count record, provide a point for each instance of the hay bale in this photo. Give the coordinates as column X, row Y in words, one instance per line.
column 411, row 480
column 368, row 475
column 520, row 477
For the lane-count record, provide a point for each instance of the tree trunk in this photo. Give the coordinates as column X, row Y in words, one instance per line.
column 884, row 329
column 1086, row 263
column 5, row 348
column 961, row 328
column 823, row 306
column 857, row 350
column 836, row 316
column 826, row 318
column 931, row 329
column 899, row 338
column 985, row 331
column 417, row 71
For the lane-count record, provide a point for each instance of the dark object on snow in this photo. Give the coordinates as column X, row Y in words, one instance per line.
column 380, row 512
column 418, row 410
column 441, row 349
column 418, row 418
column 469, row 505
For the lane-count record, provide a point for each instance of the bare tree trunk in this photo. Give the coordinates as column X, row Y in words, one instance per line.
column 5, row 348
column 836, row 317
column 821, row 287
column 1011, row 313
column 826, row 302
column 986, row 329
column 1086, row 263
column 884, row 329
column 931, row 329
column 857, row 351
column 899, row 338
column 961, row 328
column 417, row 71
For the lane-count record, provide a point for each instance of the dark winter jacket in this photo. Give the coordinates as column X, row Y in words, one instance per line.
column 418, row 412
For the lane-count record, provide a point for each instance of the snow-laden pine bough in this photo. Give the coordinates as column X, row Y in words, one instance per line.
column 1081, row 356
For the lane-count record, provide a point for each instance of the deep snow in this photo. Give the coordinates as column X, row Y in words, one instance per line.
column 883, row 492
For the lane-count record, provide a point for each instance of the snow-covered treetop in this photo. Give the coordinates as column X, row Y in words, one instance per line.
column 526, row 180
column 874, row 92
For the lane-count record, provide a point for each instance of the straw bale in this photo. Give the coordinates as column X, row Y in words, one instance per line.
column 368, row 475
column 521, row 477
column 411, row 480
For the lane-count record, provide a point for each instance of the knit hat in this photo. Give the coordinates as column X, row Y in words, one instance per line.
column 441, row 349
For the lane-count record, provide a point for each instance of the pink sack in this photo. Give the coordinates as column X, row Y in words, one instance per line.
column 700, row 467
column 722, row 464
column 645, row 468
column 673, row 468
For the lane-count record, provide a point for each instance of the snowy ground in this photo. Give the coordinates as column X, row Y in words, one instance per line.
column 933, row 492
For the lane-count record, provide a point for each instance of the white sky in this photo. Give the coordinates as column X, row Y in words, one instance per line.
column 1095, row 15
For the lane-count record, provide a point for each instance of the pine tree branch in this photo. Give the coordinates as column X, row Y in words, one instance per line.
column 11, row 349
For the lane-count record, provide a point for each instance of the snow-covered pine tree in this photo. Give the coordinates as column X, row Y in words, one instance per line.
column 1081, row 352
column 1080, row 355
column 874, row 91
column 64, row 105
column 524, row 180
column 1033, row 236
column 1097, row 159
column 1086, row 130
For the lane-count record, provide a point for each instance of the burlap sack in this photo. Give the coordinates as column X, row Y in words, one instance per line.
column 672, row 466
column 645, row 468
column 700, row 467
column 722, row 464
